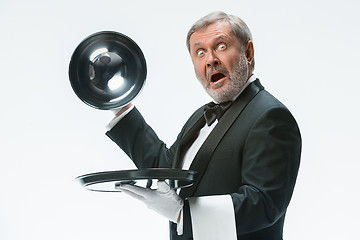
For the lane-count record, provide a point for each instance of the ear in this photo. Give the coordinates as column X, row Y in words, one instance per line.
column 249, row 52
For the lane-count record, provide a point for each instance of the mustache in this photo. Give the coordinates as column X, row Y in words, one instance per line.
column 216, row 68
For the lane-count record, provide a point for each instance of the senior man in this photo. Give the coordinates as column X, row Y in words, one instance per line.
column 245, row 146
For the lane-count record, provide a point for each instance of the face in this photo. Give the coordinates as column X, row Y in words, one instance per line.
column 221, row 65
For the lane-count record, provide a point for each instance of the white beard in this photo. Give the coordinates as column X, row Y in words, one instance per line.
column 237, row 80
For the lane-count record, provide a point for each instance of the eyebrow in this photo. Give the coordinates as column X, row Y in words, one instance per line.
column 216, row 39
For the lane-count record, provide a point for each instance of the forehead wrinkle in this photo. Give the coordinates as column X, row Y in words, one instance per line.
column 211, row 34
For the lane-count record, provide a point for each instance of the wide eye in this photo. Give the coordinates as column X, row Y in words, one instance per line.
column 200, row 53
column 222, row 46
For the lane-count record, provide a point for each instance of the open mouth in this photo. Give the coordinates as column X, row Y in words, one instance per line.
column 216, row 77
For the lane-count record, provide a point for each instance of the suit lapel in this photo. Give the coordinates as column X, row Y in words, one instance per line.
column 204, row 154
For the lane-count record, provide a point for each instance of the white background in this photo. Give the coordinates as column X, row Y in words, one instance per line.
column 307, row 55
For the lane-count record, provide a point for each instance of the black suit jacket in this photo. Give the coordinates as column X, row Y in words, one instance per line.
column 255, row 158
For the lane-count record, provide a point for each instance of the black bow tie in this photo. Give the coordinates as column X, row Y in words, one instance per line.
column 213, row 111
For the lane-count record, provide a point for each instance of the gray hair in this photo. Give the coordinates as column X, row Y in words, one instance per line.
column 238, row 28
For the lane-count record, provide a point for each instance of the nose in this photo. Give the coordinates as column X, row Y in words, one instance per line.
column 212, row 60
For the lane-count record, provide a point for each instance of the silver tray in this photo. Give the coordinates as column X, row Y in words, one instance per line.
column 107, row 181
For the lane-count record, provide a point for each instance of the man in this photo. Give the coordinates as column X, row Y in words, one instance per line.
column 246, row 155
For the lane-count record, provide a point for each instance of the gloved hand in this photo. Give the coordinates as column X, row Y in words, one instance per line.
column 163, row 200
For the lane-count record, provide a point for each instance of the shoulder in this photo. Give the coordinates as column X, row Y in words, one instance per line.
column 265, row 102
column 265, row 109
column 268, row 112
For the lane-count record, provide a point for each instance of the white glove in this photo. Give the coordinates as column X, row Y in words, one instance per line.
column 163, row 200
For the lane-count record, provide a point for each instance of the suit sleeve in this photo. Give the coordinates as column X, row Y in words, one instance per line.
column 270, row 163
column 139, row 141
